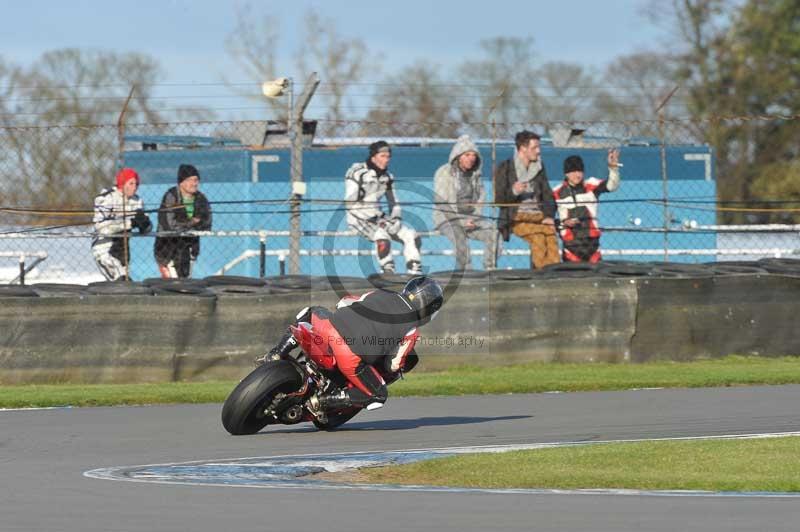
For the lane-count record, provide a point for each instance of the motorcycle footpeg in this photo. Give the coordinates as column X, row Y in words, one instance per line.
column 268, row 357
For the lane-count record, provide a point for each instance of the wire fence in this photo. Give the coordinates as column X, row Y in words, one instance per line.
column 278, row 206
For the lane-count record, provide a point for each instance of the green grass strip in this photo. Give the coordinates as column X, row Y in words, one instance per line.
column 545, row 377
column 768, row 465
column 522, row 378
column 45, row 395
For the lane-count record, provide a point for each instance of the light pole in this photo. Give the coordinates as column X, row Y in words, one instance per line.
column 294, row 127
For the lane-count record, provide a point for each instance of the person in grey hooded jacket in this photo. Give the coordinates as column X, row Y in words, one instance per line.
column 459, row 195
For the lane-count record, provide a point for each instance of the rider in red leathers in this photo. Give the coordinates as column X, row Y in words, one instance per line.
column 370, row 339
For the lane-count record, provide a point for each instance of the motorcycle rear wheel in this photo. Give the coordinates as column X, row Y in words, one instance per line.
column 243, row 411
column 336, row 420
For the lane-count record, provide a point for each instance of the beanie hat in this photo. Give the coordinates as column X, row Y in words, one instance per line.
column 125, row 175
column 186, row 171
column 573, row 163
column 378, row 147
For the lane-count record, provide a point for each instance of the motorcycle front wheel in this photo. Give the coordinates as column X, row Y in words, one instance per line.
column 243, row 411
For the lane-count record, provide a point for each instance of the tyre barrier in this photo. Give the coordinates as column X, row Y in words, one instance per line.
column 179, row 287
column 58, row 289
column 239, row 290
column 570, row 270
column 781, row 266
column 736, row 269
column 159, row 281
column 515, row 274
column 118, row 288
column 341, row 282
column 679, row 270
column 236, row 280
column 17, row 291
column 392, row 281
column 272, row 289
column 623, row 269
column 293, row 282
column 460, row 274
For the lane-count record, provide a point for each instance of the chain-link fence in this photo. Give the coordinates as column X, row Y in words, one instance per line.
column 278, row 206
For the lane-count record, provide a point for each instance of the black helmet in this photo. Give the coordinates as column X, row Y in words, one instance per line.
column 425, row 295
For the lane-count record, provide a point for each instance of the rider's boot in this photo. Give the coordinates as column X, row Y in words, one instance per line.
column 281, row 349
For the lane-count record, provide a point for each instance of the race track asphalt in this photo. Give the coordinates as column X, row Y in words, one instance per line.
column 44, row 453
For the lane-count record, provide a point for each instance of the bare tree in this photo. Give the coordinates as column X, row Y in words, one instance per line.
column 341, row 64
column 634, row 86
column 252, row 44
column 500, row 84
column 62, row 152
column 564, row 92
column 413, row 102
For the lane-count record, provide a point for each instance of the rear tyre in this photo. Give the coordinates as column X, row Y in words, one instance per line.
column 336, row 420
column 243, row 411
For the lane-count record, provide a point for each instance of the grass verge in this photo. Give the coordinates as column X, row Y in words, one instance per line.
column 523, row 378
column 768, row 465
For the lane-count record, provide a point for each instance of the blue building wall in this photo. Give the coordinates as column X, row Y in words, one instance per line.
column 233, row 175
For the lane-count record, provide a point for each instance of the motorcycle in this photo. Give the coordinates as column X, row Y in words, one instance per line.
column 286, row 391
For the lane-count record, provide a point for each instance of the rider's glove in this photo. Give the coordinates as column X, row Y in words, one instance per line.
column 393, row 226
column 141, row 221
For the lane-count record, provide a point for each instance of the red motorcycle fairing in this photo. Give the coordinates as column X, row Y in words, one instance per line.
column 313, row 339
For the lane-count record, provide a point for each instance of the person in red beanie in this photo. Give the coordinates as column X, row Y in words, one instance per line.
column 117, row 211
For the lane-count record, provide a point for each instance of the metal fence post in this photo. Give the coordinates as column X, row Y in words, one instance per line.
column 298, row 185
column 664, row 179
column 262, row 257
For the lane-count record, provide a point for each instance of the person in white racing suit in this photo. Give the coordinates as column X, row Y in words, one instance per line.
column 117, row 210
column 366, row 183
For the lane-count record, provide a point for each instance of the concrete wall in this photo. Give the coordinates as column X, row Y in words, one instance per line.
column 112, row 338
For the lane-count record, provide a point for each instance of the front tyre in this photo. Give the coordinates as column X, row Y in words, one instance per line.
column 243, row 411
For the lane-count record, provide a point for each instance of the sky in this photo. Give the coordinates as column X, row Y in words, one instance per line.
column 188, row 37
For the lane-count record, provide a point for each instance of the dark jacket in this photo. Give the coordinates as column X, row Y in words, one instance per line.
column 504, row 179
column 172, row 217
column 374, row 326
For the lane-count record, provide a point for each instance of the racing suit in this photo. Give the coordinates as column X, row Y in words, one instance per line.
column 365, row 186
column 582, row 242
column 370, row 341
column 114, row 217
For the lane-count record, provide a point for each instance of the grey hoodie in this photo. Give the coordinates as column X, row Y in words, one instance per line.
column 447, row 182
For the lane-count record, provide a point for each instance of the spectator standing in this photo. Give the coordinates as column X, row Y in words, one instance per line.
column 459, row 198
column 366, row 184
column 117, row 210
column 526, row 199
column 183, row 208
column 578, row 207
